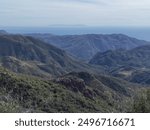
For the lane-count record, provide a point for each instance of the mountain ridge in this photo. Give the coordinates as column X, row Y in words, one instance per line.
column 131, row 65
column 38, row 54
column 3, row 32
column 139, row 56
column 86, row 46
column 47, row 79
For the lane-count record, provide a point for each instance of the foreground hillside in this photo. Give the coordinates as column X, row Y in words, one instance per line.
column 86, row 46
column 74, row 92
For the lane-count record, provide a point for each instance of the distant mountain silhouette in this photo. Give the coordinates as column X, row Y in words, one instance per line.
column 3, row 32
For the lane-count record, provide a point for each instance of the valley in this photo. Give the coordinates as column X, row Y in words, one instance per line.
column 74, row 73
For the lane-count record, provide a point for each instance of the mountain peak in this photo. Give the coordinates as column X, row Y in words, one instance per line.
column 3, row 32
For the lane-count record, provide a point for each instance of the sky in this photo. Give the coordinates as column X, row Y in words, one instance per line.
column 45, row 13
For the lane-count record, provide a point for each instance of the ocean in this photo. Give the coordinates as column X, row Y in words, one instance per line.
column 137, row 32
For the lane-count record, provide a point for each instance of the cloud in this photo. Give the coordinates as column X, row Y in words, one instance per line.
column 78, row 1
column 88, row 12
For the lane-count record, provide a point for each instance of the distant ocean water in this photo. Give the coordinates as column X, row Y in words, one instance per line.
column 137, row 32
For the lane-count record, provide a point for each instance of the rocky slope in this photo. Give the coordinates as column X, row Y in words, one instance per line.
column 74, row 92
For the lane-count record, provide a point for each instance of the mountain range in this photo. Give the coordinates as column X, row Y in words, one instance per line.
column 32, row 56
column 36, row 76
column 84, row 47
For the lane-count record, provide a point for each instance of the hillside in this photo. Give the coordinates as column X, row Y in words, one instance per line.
column 137, row 57
column 47, row 79
column 32, row 56
column 132, row 65
column 74, row 92
column 84, row 47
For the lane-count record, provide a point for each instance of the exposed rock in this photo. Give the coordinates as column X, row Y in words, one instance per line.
column 75, row 84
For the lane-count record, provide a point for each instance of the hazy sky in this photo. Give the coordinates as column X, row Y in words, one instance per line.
column 75, row 12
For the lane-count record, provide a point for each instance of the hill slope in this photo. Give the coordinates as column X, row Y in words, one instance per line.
column 75, row 92
column 132, row 65
column 32, row 56
column 138, row 57
column 86, row 46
